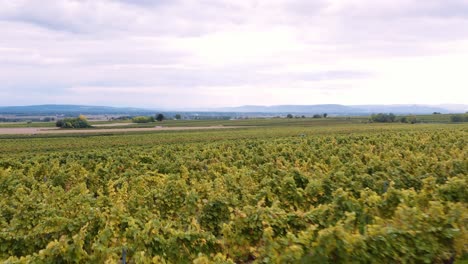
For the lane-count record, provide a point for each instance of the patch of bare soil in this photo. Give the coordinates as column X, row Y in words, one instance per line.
column 114, row 124
column 52, row 130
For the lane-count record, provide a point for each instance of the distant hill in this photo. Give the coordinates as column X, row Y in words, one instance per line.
column 329, row 108
column 253, row 110
column 337, row 109
column 71, row 110
column 402, row 109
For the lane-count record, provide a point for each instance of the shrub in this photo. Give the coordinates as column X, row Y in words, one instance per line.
column 383, row 118
column 459, row 118
column 160, row 117
column 143, row 119
column 79, row 122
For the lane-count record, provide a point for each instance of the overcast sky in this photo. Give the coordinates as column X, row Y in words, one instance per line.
column 209, row 53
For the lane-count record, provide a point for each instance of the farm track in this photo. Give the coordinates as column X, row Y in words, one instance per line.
column 53, row 130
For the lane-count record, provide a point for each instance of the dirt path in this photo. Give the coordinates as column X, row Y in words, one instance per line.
column 53, row 130
column 113, row 124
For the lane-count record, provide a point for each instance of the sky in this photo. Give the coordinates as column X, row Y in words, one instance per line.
column 214, row 53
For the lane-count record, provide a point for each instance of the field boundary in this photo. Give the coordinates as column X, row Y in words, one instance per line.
column 50, row 130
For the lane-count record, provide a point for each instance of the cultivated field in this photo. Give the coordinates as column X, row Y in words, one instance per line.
column 267, row 191
column 102, row 129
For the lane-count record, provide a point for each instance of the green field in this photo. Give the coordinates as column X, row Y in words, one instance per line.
column 214, row 122
column 26, row 124
column 272, row 191
column 440, row 118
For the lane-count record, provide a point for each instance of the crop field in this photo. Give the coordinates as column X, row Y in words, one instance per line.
column 271, row 191
column 440, row 118
column 199, row 123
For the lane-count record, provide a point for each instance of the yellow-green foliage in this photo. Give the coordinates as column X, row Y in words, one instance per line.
column 143, row 119
column 79, row 122
column 281, row 195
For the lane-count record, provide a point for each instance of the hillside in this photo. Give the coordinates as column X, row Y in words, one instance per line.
column 253, row 110
column 70, row 110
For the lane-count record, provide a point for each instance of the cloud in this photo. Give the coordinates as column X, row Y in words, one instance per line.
column 229, row 52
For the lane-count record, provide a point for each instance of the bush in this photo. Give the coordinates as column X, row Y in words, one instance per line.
column 413, row 120
column 160, row 117
column 79, row 122
column 409, row 119
column 383, row 118
column 143, row 119
column 459, row 118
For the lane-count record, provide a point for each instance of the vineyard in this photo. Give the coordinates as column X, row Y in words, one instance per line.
column 344, row 193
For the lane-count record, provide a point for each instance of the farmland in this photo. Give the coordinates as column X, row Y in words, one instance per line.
column 266, row 191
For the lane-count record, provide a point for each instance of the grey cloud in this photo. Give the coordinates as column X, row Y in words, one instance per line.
column 395, row 9
column 53, row 15
column 398, row 22
column 150, row 3
column 102, row 75
column 135, row 17
column 306, row 9
column 50, row 46
column 201, row 17
column 82, row 17
column 234, row 76
column 331, row 75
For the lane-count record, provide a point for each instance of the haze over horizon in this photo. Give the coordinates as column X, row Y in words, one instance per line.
column 200, row 54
